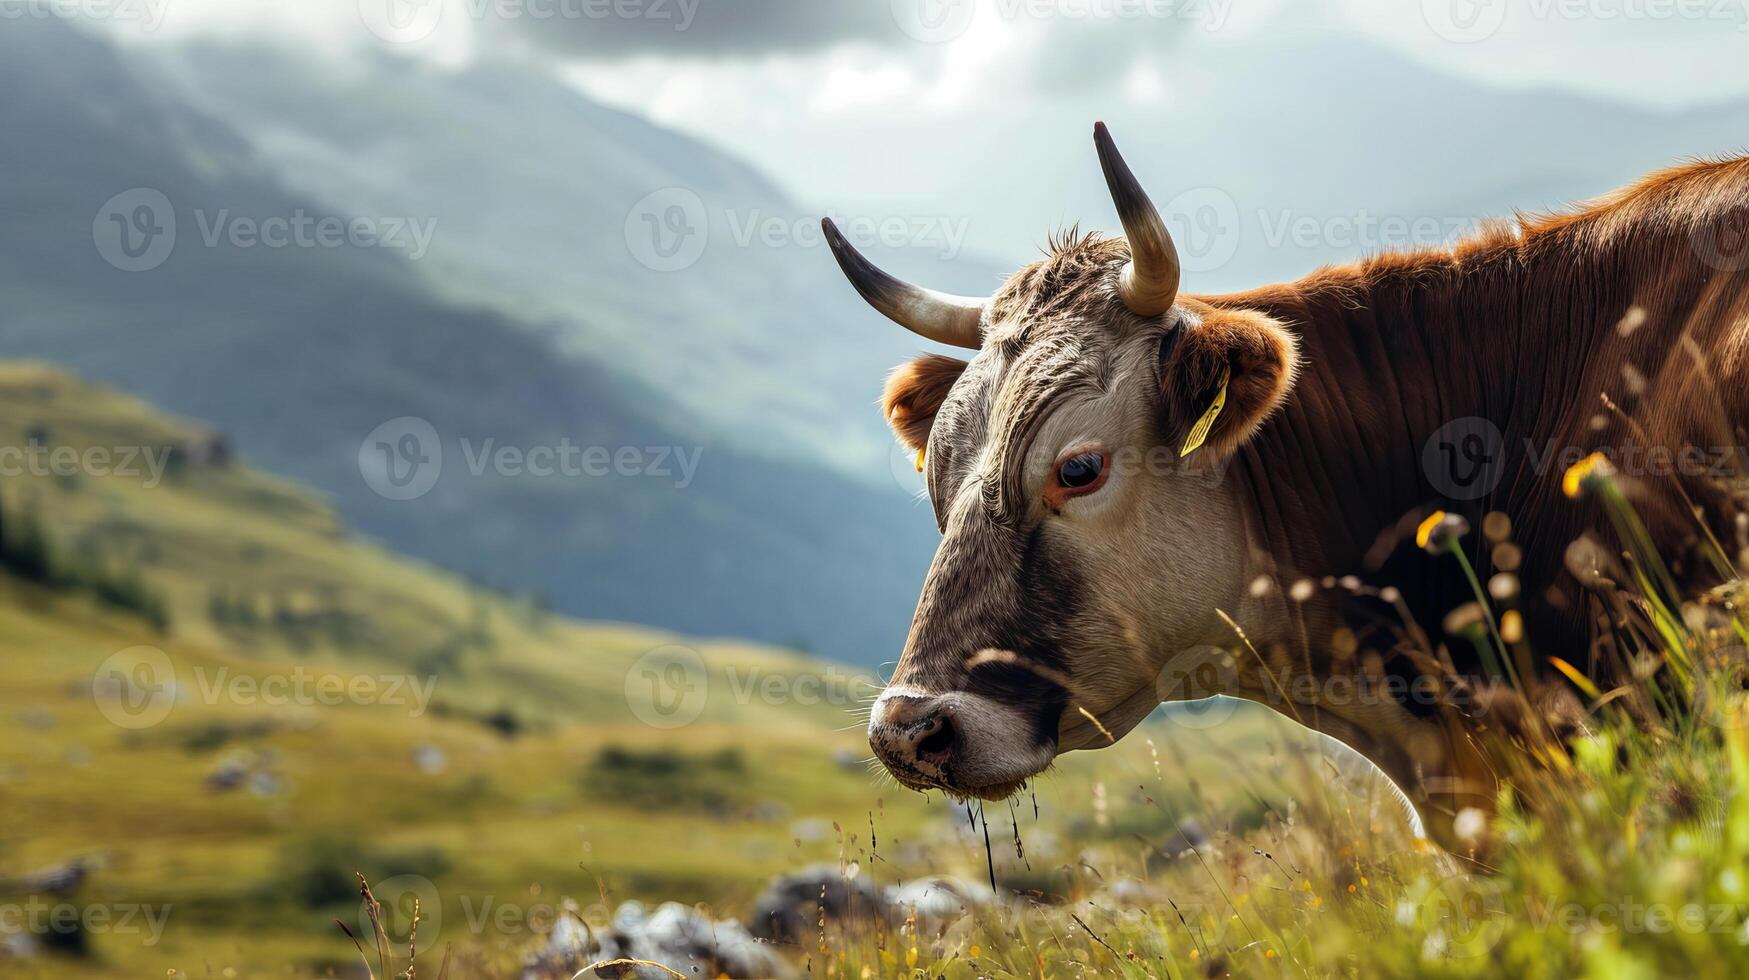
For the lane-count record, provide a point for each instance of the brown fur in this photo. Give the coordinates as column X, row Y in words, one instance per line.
column 914, row 393
column 1260, row 357
column 1521, row 328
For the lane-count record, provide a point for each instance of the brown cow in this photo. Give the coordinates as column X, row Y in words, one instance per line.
column 1100, row 554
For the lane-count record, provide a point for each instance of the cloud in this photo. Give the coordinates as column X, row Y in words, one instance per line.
column 616, row 29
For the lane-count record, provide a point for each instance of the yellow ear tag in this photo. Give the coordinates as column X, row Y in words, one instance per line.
column 1199, row 433
column 920, row 460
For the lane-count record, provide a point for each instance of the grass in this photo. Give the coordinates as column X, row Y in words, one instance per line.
column 1629, row 862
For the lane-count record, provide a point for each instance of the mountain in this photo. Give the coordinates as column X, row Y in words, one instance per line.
column 301, row 352
column 633, row 244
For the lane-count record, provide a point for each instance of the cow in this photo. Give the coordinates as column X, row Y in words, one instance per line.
column 1145, row 495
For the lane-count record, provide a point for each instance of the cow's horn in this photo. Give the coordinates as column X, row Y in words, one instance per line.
column 1150, row 281
column 941, row 317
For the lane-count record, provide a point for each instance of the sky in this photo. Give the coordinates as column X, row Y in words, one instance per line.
column 669, row 58
column 978, row 111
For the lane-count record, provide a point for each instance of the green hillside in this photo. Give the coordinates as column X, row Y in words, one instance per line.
column 264, row 570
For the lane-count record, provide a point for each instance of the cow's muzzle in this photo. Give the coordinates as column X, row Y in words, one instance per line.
column 959, row 742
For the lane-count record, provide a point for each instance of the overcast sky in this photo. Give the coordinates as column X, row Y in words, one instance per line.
column 955, row 55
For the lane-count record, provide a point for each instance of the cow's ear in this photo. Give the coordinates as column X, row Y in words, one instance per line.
column 1221, row 375
column 914, row 393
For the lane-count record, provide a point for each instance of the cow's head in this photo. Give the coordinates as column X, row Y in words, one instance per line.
column 1086, row 541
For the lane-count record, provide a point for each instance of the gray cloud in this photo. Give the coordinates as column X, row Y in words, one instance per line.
column 610, row 29
column 1081, row 57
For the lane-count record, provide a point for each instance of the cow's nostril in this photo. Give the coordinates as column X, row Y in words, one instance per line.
column 940, row 739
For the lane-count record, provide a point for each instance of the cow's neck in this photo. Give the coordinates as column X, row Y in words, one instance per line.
column 1520, row 331
column 1389, row 362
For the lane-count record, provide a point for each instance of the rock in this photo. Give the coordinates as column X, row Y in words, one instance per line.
column 810, row 829
column 790, row 911
column 1132, row 893
column 674, row 935
column 430, row 759
column 60, row 880
column 569, row 948
column 768, row 811
column 227, row 775
column 1188, row 837
column 791, row 908
column 36, row 718
column 938, row 901
column 16, row 944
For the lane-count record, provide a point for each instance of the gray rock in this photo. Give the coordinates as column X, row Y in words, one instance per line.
column 227, row 775
column 674, row 935
column 430, row 759
column 16, row 944
column 938, row 901
column 60, row 880
column 1132, row 893
column 791, row 908
column 1187, row 838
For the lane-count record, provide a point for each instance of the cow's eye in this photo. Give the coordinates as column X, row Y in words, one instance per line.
column 1077, row 474
column 1080, row 472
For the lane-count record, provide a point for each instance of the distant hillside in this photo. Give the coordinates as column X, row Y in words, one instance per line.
column 301, row 352
column 253, row 568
